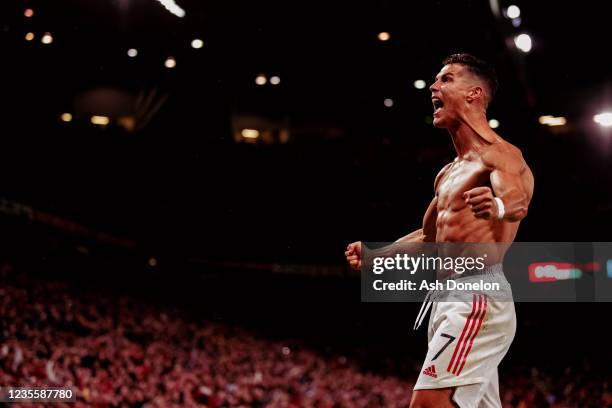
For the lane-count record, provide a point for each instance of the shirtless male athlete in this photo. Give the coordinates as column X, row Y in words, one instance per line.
column 480, row 197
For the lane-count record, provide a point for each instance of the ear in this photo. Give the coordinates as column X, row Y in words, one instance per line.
column 475, row 93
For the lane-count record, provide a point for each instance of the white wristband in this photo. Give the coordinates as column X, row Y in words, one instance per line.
column 500, row 208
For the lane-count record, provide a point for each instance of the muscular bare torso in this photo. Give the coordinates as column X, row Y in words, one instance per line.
column 455, row 222
column 466, row 208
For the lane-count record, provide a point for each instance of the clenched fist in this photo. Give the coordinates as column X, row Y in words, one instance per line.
column 353, row 255
column 482, row 203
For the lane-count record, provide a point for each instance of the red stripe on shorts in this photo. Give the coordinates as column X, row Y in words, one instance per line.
column 468, row 335
column 467, row 323
column 474, row 336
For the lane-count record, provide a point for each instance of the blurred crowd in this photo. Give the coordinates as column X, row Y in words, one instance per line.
column 573, row 387
column 116, row 351
column 119, row 352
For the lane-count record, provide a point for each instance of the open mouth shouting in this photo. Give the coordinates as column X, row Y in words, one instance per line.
column 437, row 104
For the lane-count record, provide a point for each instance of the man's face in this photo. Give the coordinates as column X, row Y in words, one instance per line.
column 448, row 94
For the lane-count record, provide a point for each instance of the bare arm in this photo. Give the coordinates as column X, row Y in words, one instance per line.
column 406, row 243
column 427, row 233
column 515, row 189
column 511, row 182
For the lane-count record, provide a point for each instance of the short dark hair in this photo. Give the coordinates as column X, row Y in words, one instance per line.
column 477, row 67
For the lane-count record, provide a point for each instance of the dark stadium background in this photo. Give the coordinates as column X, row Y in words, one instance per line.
column 183, row 211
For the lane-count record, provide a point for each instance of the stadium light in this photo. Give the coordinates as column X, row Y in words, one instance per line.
column 275, row 80
column 28, row 12
column 388, row 102
column 420, row 84
column 513, row 12
column 132, row 52
column 261, row 79
column 523, row 42
column 494, row 123
column 384, row 36
column 549, row 120
column 47, row 38
column 603, row 119
column 250, row 133
column 100, row 120
column 197, row 43
column 170, row 62
column 172, row 7
column 66, row 117
column 29, row 36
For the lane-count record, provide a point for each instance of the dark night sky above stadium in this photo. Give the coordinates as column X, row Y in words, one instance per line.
column 172, row 171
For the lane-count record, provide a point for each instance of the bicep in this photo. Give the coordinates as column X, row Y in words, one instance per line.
column 507, row 183
column 515, row 191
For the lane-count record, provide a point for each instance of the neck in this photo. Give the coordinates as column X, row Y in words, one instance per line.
column 471, row 133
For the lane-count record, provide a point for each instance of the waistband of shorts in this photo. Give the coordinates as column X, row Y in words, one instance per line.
column 489, row 271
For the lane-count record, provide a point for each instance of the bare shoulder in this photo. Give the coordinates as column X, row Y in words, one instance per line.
column 441, row 174
column 504, row 156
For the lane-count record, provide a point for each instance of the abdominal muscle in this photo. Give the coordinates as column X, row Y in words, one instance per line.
column 459, row 225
